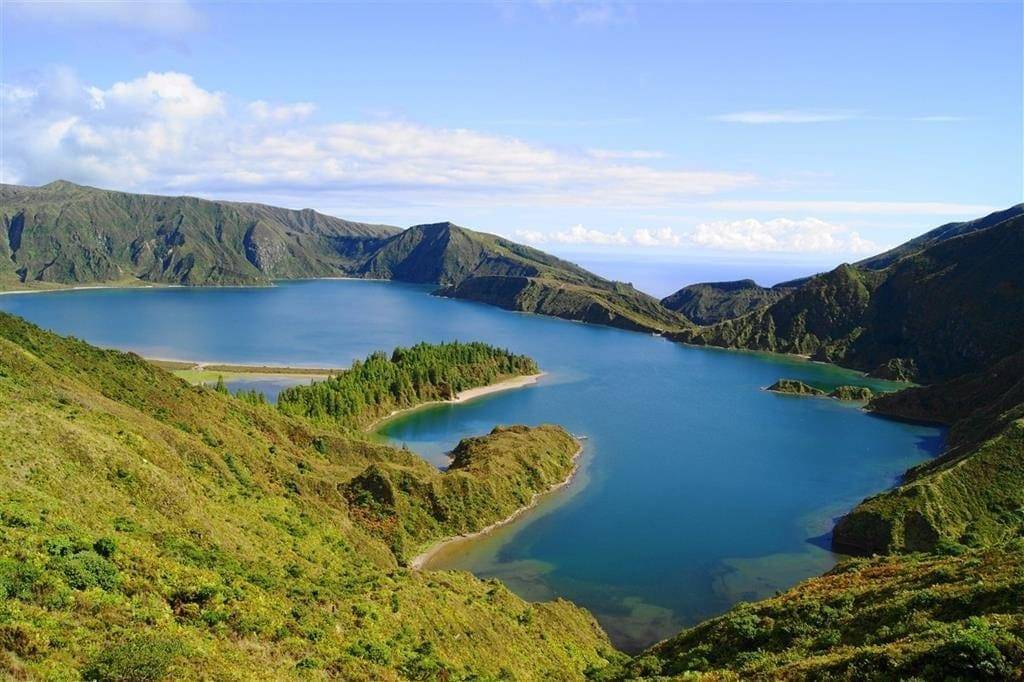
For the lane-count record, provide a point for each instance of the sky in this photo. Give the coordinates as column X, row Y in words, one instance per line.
column 763, row 135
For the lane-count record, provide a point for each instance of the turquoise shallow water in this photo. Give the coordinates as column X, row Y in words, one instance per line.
column 697, row 489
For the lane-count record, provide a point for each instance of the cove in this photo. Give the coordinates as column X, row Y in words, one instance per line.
column 697, row 488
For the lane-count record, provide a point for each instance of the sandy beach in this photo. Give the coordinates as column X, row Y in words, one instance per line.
column 463, row 396
column 419, row 561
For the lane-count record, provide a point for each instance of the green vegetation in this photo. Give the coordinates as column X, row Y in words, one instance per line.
column 486, row 268
column 154, row 530
column 895, row 322
column 973, row 494
column 953, row 617
column 64, row 233
column 379, row 385
column 408, row 505
column 711, row 302
column 613, row 304
column 852, row 393
column 795, row 387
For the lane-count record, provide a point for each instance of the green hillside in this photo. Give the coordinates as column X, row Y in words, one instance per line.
column 486, row 268
column 972, row 495
column 65, row 234
column 153, row 530
column 917, row 617
column 711, row 302
column 954, row 307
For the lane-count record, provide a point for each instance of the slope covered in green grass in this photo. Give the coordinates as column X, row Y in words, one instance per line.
column 153, row 530
column 917, row 617
column 954, row 307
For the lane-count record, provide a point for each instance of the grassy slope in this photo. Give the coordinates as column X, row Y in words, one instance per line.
column 954, row 307
column 153, row 525
column 487, row 268
column 711, row 302
column 974, row 493
column 893, row 618
column 69, row 234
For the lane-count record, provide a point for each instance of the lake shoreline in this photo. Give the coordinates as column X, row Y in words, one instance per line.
column 418, row 562
column 463, row 396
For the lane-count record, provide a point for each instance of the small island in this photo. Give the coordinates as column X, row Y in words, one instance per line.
column 845, row 393
column 382, row 385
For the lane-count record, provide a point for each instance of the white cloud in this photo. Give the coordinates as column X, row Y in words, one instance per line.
column 809, row 235
column 786, row 116
column 163, row 132
column 166, row 16
column 658, row 237
column 581, row 236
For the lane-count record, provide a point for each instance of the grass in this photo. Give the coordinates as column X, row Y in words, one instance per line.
column 150, row 529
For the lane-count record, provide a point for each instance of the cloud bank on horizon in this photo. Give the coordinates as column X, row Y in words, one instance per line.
column 559, row 181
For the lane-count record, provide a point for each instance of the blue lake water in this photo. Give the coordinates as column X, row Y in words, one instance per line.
column 698, row 489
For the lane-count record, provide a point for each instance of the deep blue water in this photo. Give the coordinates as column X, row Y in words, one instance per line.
column 698, row 488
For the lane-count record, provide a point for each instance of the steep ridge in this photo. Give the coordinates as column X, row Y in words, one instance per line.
column 711, row 302
column 154, row 530
column 954, row 307
column 64, row 233
column 489, row 269
column 971, row 495
column 939, row 234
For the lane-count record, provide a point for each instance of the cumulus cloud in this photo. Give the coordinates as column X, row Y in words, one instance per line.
column 581, row 236
column 163, row 131
column 809, row 235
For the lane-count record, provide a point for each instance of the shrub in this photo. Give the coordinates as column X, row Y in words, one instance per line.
column 104, row 547
column 144, row 658
column 88, row 569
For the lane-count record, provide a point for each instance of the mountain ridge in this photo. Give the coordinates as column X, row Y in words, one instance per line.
column 68, row 234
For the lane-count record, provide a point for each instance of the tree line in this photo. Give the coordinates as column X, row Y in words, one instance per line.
column 380, row 384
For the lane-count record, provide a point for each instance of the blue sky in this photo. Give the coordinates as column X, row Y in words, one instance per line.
column 798, row 132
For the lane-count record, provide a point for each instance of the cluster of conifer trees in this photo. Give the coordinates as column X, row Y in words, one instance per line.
column 374, row 387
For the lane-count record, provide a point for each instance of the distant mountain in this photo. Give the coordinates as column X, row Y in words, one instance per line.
column 712, row 302
column 953, row 307
column 62, row 234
